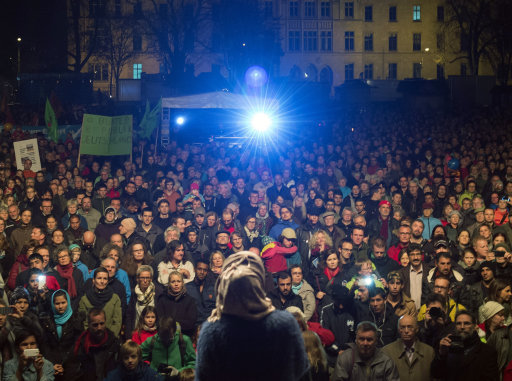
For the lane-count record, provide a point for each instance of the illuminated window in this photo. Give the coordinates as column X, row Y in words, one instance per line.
column 137, row 70
column 416, row 13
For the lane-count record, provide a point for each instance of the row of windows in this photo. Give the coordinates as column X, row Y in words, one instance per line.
column 392, row 71
column 368, row 12
column 310, row 9
column 100, row 72
column 310, row 40
column 392, row 42
column 98, row 8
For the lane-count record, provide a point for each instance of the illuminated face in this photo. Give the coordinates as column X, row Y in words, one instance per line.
column 175, row 283
column 332, row 262
column 100, row 280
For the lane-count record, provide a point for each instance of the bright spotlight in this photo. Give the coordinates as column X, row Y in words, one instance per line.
column 261, row 122
column 256, row 76
column 180, row 121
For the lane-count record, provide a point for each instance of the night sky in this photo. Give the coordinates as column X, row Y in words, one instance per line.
column 42, row 27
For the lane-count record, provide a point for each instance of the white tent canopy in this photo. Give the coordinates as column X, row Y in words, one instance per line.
column 220, row 100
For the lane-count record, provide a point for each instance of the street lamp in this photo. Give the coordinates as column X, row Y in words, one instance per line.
column 19, row 61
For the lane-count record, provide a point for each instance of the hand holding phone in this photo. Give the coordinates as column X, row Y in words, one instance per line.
column 31, row 352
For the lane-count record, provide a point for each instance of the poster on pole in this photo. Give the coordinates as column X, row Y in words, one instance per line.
column 27, row 149
column 106, row 136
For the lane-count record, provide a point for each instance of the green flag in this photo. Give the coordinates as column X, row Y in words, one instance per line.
column 150, row 120
column 51, row 121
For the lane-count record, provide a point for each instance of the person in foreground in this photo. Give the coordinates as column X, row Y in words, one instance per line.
column 28, row 366
column 132, row 368
column 462, row 356
column 364, row 361
column 245, row 337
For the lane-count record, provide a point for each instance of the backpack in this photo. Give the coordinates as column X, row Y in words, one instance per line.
column 181, row 345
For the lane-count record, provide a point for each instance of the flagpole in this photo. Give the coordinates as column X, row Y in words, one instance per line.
column 156, row 140
column 141, row 156
column 80, row 145
column 131, row 151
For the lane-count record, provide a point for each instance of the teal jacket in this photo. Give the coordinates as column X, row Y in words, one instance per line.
column 154, row 350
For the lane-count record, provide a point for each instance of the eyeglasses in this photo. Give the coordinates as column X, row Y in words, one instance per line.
column 145, row 278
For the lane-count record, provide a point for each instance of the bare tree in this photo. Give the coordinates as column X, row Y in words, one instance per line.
column 118, row 45
column 175, row 28
column 499, row 52
column 472, row 22
column 248, row 38
column 83, row 25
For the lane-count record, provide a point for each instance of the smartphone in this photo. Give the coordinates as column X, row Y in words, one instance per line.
column 31, row 352
column 42, row 281
column 5, row 310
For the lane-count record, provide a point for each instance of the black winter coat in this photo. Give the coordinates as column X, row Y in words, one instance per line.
column 476, row 364
column 183, row 310
column 60, row 350
column 205, row 301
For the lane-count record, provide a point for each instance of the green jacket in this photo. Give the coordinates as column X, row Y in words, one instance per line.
column 419, row 368
column 155, row 351
column 113, row 313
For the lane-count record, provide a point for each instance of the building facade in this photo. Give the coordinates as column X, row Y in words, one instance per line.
column 329, row 41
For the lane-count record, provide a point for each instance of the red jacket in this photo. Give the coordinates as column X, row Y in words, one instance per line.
column 326, row 336
column 21, row 264
column 140, row 336
column 394, row 251
column 274, row 256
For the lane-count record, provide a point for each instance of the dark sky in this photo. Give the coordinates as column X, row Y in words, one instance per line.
column 42, row 27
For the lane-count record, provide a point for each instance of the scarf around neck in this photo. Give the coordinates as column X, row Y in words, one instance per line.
column 67, row 273
column 296, row 287
column 177, row 295
column 88, row 343
column 144, row 299
column 251, row 234
column 99, row 298
column 331, row 273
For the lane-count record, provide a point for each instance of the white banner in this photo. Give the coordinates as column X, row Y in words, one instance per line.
column 27, row 149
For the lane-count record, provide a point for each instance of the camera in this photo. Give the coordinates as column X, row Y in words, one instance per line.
column 168, row 371
column 499, row 253
column 436, row 312
column 457, row 344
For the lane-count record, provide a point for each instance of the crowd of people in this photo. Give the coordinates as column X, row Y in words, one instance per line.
column 387, row 245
